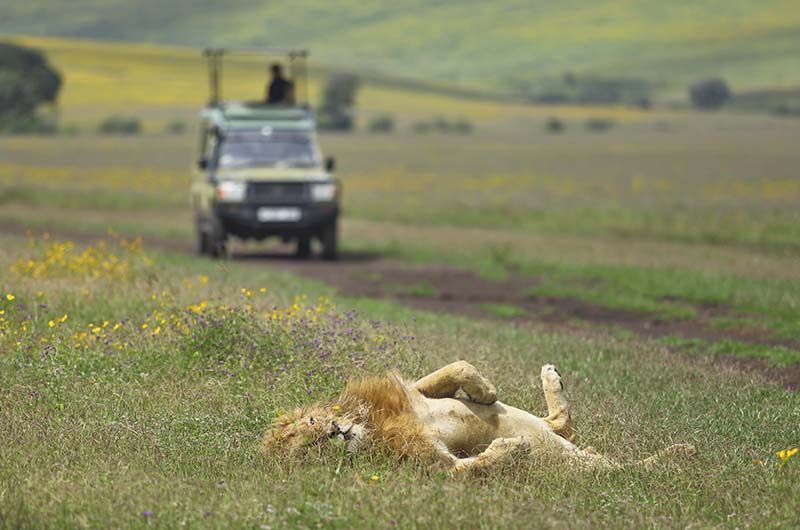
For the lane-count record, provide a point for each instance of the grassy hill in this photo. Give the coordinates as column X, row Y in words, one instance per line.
column 506, row 45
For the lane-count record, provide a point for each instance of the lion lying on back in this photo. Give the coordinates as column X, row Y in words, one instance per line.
column 425, row 421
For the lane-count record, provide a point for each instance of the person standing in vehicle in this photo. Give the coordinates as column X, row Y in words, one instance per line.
column 280, row 90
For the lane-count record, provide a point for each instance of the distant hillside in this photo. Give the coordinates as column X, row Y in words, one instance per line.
column 512, row 46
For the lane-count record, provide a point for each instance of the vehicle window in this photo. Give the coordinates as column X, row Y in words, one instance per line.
column 267, row 148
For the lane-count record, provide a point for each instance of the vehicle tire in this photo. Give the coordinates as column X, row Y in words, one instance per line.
column 201, row 239
column 329, row 239
column 303, row 248
column 217, row 241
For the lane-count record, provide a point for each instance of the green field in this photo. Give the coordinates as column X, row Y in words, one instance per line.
column 134, row 390
column 501, row 46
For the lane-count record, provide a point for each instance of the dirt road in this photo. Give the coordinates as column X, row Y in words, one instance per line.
column 444, row 289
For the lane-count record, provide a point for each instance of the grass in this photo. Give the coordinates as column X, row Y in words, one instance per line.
column 503, row 46
column 423, row 289
column 166, row 432
column 503, row 310
column 668, row 213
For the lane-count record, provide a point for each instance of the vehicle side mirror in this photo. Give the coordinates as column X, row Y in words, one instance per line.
column 330, row 164
column 202, row 163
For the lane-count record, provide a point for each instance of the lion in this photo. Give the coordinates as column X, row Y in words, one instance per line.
column 425, row 420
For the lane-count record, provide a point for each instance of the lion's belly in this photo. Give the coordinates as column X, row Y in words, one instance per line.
column 468, row 428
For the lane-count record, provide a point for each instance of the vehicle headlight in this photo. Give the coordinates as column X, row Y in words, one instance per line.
column 323, row 192
column 231, row 190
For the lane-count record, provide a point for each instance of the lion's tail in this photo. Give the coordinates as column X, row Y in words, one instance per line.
column 665, row 455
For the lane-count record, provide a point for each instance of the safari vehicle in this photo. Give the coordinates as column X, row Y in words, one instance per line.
column 260, row 172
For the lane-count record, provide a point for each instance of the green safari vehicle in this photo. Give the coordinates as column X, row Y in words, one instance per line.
column 260, row 172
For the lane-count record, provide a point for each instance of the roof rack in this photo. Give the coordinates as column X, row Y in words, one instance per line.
column 297, row 67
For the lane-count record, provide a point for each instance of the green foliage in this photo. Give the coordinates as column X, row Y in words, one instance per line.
column 754, row 44
column 709, row 94
column 26, row 81
column 443, row 125
column 599, row 124
column 118, row 124
column 586, row 90
column 554, row 125
column 176, row 127
column 338, row 99
column 381, row 124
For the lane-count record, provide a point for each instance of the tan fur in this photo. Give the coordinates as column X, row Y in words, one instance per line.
column 424, row 420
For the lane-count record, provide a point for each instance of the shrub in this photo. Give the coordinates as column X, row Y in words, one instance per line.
column 27, row 123
column 338, row 100
column 176, row 127
column 26, row 81
column 554, row 125
column 382, row 124
column 709, row 94
column 599, row 124
column 421, row 127
column 443, row 125
column 118, row 124
column 783, row 109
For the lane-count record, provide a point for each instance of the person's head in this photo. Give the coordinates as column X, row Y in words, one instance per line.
column 277, row 70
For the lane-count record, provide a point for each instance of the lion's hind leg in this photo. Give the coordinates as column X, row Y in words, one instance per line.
column 446, row 381
column 500, row 451
column 558, row 410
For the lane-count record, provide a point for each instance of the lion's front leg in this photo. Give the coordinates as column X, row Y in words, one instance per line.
column 500, row 451
column 446, row 381
column 558, row 410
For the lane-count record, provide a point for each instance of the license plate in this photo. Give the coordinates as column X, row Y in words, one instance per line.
column 282, row 215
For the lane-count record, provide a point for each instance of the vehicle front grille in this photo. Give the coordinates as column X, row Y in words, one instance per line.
column 277, row 192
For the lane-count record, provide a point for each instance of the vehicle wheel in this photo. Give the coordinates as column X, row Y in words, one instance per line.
column 303, row 247
column 328, row 237
column 217, row 242
column 201, row 240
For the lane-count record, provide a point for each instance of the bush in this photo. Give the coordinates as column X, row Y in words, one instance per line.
column 382, row 124
column 443, row 125
column 26, row 81
column 709, row 94
column 421, row 127
column 118, row 124
column 27, row 123
column 554, row 125
column 599, row 124
column 785, row 110
column 176, row 127
column 338, row 100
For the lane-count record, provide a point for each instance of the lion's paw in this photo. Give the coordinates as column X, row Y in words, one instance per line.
column 551, row 379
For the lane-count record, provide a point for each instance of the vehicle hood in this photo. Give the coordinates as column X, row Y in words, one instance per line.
column 274, row 173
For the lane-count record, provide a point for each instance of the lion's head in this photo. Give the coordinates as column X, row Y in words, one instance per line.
column 315, row 427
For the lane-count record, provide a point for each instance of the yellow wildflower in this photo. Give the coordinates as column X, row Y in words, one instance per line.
column 9, row 297
column 786, row 454
column 116, row 326
column 263, row 290
column 374, row 478
column 203, row 279
column 157, row 330
column 51, row 323
column 97, row 330
column 336, row 408
column 63, row 319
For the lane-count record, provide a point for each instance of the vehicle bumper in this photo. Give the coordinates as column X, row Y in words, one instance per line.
column 241, row 219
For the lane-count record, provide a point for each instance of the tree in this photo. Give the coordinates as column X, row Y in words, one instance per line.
column 709, row 94
column 26, row 81
column 338, row 99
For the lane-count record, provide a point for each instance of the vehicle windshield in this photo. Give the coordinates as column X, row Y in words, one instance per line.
column 267, row 148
